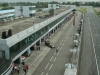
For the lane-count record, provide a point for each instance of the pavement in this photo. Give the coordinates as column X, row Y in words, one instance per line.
column 35, row 59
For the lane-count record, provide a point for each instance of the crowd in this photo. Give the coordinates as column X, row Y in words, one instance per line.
column 16, row 68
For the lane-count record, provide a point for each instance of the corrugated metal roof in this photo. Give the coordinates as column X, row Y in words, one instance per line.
column 7, row 11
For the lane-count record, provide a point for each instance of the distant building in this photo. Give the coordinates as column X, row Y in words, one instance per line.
column 53, row 6
column 69, row 6
column 26, row 11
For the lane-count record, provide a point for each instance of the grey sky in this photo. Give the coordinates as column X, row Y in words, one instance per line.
column 44, row 0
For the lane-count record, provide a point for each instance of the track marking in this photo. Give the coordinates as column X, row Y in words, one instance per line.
column 93, row 47
column 42, row 73
column 51, row 58
column 54, row 53
column 47, row 74
column 46, row 66
column 54, row 59
column 50, row 67
column 58, row 53
column 62, row 44
column 60, row 48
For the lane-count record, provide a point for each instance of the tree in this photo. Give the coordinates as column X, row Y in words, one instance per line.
column 4, row 4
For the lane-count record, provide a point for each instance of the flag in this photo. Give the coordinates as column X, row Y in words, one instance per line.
column 74, row 20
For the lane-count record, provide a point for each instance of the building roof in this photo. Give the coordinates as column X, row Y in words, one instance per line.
column 24, row 23
column 7, row 11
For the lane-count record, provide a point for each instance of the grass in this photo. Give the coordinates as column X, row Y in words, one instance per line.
column 96, row 12
column 81, row 9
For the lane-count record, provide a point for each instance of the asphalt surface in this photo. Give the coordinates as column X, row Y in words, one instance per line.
column 54, row 63
column 90, row 50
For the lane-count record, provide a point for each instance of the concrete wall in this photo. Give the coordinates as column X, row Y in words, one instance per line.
column 17, row 11
column 26, row 11
column 54, row 6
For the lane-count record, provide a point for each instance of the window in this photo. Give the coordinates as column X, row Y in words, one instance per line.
column 14, row 50
column 31, row 38
column 24, row 43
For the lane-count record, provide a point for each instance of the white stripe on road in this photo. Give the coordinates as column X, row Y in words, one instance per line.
column 62, row 44
column 58, row 53
column 60, row 48
column 51, row 58
column 94, row 48
column 54, row 53
column 37, row 58
column 47, row 74
column 46, row 66
column 42, row 73
column 54, row 59
column 50, row 67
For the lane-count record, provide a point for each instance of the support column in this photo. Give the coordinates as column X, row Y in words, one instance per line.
column 40, row 42
column 34, row 46
column 20, row 61
column 28, row 52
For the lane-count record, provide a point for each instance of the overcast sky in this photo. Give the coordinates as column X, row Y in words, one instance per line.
column 45, row 0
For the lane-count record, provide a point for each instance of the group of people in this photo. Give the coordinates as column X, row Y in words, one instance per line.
column 25, row 69
column 16, row 68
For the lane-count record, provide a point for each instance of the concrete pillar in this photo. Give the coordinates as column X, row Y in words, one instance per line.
column 40, row 42
column 20, row 61
column 53, row 31
column 34, row 46
column 28, row 52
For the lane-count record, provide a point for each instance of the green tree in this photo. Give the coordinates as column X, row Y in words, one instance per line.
column 4, row 4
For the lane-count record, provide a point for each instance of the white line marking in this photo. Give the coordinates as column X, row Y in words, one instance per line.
column 98, row 45
column 60, row 48
column 93, row 47
column 42, row 73
column 62, row 44
column 54, row 53
column 37, row 58
column 50, row 66
column 47, row 74
column 54, row 59
column 58, row 53
column 62, row 41
column 51, row 58
column 46, row 66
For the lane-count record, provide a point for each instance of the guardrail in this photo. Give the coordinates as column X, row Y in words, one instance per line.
column 6, row 67
column 79, row 47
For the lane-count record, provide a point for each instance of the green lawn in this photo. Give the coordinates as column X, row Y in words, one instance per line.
column 81, row 9
column 96, row 12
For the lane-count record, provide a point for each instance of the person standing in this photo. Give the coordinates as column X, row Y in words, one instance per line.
column 18, row 69
column 56, row 50
column 26, row 67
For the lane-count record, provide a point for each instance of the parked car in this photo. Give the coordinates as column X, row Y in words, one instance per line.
column 47, row 43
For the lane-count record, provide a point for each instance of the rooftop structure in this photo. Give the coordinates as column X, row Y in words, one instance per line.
column 26, row 11
column 21, row 24
column 53, row 6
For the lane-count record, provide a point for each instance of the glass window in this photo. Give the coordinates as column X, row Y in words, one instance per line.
column 24, row 43
column 31, row 38
column 14, row 50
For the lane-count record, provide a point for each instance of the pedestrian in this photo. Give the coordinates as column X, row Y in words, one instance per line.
column 26, row 67
column 56, row 50
column 18, row 69
column 15, row 68
column 23, row 63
